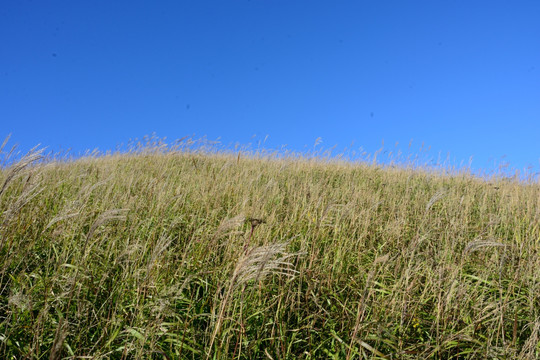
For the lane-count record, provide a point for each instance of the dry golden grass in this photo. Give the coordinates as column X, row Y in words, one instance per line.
column 163, row 254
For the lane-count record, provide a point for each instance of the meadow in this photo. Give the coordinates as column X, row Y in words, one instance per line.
column 178, row 253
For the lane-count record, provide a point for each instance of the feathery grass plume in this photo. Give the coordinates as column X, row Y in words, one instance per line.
column 30, row 191
column 6, row 140
column 255, row 264
column 161, row 245
column 113, row 214
column 531, row 347
column 60, row 218
column 479, row 244
column 16, row 169
column 7, row 155
column 436, row 197
column 227, row 225
column 262, row 261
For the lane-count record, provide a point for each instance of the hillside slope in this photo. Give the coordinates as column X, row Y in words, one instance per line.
column 193, row 256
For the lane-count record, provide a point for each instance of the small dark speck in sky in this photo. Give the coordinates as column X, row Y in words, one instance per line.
column 54, row 54
column 188, row 106
column 371, row 114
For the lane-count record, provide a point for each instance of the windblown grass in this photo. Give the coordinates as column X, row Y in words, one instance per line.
column 193, row 255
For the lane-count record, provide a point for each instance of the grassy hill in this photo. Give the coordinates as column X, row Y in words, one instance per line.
column 192, row 255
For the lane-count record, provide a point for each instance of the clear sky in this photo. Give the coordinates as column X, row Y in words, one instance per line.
column 463, row 77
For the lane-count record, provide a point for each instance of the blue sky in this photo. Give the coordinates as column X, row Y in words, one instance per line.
column 462, row 77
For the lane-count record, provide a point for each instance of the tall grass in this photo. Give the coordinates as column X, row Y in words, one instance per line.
column 194, row 254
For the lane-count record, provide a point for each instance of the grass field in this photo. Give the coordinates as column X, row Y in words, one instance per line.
column 163, row 254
